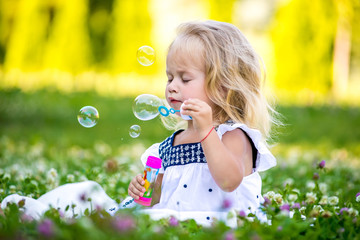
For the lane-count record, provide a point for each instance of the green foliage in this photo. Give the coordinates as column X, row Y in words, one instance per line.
column 299, row 207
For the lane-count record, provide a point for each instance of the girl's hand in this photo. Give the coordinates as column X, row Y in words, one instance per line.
column 136, row 188
column 201, row 114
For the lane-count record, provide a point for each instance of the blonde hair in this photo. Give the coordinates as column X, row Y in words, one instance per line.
column 233, row 72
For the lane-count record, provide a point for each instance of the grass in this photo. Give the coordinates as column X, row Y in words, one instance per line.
column 43, row 146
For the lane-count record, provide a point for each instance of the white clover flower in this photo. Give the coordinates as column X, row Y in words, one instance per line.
column 83, row 178
column 310, row 197
column 333, row 200
column 310, row 185
column 6, row 176
column 278, row 198
column 20, row 176
column 324, row 200
column 12, row 188
column 52, row 173
column 318, row 208
column 353, row 212
column 51, row 181
column 358, row 198
column 284, row 213
column 41, row 166
column 292, row 197
column 270, row 195
column 323, row 187
column 289, row 181
column 296, row 190
column 70, row 178
column 326, row 214
column 314, row 213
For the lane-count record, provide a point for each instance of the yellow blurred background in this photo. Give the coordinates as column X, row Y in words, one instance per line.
column 311, row 49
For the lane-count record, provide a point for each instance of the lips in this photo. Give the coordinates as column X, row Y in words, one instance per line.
column 173, row 100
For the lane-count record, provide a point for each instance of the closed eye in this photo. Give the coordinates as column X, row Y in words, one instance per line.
column 170, row 77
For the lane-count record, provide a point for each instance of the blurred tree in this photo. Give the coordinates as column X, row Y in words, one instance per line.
column 99, row 24
column 346, row 9
column 68, row 46
column 313, row 46
column 303, row 38
column 7, row 17
column 355, row 48
column 131, row 30
column 23, row 41
column 221, row 10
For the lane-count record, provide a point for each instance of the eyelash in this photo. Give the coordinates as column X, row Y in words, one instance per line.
column 184, row 80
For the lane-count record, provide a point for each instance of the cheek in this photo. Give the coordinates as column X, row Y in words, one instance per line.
column 166, row 95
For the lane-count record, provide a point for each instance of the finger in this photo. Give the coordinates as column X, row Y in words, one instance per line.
column 193, row 101
column 138, row 186
column 140, row 179
column 134, row 192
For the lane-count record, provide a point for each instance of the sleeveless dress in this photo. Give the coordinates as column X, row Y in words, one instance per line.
column 189, row 191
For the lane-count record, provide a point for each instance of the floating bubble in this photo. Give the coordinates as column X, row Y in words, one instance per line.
column 145, row 55
column 134, row 131
column 145, row 106
column 88, row 116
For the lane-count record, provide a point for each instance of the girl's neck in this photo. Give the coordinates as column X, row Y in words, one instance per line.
column 186, row 136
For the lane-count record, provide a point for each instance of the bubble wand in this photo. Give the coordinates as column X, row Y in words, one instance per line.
column 164, row 111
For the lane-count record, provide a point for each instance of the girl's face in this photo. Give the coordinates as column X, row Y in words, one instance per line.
column 186, row 78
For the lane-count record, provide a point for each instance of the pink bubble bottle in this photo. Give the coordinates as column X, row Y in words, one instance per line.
column 153, row 164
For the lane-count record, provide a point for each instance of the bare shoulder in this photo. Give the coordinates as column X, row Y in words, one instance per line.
column 235, row 135
column 237, row 141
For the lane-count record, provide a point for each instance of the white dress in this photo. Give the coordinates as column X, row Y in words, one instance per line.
column 188, row 190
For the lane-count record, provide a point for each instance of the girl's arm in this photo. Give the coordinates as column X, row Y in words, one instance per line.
column 229, row 159
column 157, row 190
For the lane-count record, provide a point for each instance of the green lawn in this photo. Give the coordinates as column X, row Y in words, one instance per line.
column 42, row 146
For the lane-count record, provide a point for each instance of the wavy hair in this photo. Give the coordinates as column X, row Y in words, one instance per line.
column 234, row 72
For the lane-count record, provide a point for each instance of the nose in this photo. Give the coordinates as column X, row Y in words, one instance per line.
column 172, row 86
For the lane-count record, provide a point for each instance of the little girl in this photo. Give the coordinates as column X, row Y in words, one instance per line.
column 215, row 76
column 213, row 165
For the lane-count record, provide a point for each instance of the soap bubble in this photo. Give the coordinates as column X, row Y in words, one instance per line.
column 134, row 131
column 88, row 116
column 145, row 106
column 145, row 55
